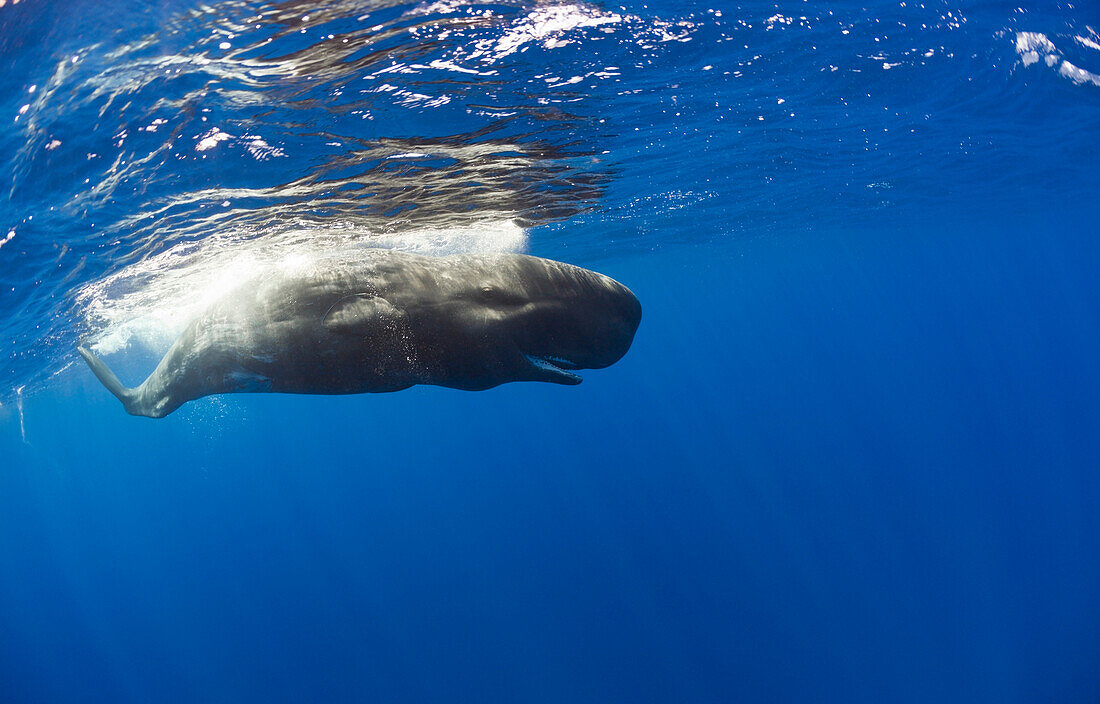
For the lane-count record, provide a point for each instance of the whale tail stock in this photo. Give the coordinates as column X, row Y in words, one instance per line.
column 108, row 379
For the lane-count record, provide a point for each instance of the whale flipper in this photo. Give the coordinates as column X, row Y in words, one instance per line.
column 108, row 379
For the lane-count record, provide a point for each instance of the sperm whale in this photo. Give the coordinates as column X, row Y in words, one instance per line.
column 389, row 320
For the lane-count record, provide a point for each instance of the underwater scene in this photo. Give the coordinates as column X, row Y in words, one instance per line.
column 549, row 351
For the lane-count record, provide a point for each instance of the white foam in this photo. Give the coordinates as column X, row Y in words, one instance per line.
column 503, row 236
column 1077, row 74
column 210, row 139
column 1089, row 42
column 1033, row 46
column 22, row 420
column 545, row 25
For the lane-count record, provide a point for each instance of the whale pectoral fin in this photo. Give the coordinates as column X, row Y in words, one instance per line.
column 360, row 314
column 544, row 370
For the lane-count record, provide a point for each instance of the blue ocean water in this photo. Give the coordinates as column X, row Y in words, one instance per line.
column 851, row 457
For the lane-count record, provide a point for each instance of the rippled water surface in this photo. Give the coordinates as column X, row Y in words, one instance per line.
column 155, row 147
column 851, row 456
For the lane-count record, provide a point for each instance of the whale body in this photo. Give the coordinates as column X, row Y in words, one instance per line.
column 389, row 320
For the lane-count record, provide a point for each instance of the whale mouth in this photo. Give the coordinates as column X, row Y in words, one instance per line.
column 557, row 367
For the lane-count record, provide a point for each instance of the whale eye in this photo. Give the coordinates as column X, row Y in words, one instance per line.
column 500, row 297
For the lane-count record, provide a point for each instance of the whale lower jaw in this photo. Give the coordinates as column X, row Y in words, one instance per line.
column 555, row 369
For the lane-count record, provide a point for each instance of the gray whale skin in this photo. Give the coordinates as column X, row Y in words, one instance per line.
column 388, row 321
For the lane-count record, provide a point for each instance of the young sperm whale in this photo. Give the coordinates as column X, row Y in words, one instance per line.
column 390, row 320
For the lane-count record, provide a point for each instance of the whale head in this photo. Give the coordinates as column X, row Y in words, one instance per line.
column 531, row 319
column 573, row 319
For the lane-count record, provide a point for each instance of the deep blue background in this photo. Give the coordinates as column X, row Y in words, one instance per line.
column 851, row 457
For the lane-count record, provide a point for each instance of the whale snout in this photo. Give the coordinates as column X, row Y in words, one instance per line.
column 627, row 318
column 590, row 324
